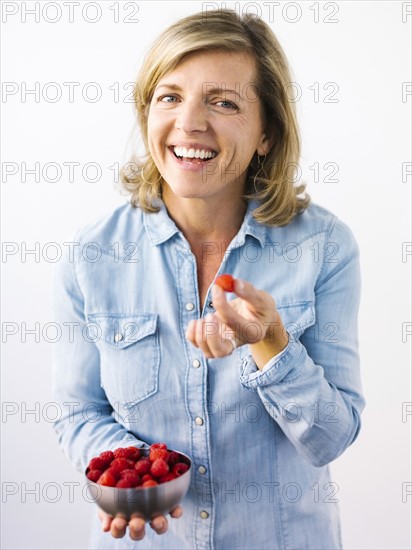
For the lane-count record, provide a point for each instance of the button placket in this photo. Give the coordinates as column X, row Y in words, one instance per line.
column 196, row 397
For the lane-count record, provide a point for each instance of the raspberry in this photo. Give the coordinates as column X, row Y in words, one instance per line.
column 226, row 281
column 127, row 471
column 158, row 446
column 107, row 478
column 120, row 464
column 172, row 459
column 94, row 475
column 96, row 464
column 127, row 452
column 149, row 483
column 167, row 477
column 147, row 477
column 158, row 452
column 126, row 468
column 159, row 468
column 107, row 457
column 124, row 484
column 119, row 453
column 180, row 468
column 133, row 453
column 114, row 473
column 143, row 466
column 131, row 477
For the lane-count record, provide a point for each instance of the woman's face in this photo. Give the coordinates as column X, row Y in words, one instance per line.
column 205, row 124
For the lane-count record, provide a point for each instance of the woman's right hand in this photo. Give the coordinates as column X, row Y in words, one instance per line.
column 117, row 525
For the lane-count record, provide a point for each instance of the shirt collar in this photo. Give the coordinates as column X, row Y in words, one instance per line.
column 252, row 227
column 160, row 227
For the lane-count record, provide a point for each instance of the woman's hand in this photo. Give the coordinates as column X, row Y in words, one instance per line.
column 251, row 318
column 117, row 525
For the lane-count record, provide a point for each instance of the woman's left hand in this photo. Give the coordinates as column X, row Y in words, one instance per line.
column 251, row 318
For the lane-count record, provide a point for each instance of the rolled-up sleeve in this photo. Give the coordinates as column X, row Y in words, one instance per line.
column 312, row 389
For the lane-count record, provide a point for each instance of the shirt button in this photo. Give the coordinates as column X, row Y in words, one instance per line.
column 118, row 337
column 196, row 363
column 199, row 421
column 210, row 304
column 189, row 306
column 203, row 514
column 202, row 470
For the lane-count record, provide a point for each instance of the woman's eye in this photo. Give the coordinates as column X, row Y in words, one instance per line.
column 227, row 104
column 167, row 98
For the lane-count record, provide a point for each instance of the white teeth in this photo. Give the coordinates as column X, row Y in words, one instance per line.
column 193, row 153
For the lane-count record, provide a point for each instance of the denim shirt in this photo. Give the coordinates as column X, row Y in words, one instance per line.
column 260, row 440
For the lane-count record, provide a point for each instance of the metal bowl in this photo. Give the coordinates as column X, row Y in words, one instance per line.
column 146, row 502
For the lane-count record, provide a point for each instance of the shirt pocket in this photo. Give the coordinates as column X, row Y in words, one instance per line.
column 129, row 356
column 297, row 316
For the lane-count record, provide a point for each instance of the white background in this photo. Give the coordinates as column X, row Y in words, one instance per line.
column 366, row 133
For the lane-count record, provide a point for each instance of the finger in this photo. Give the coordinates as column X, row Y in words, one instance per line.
column 205, row 328
column 255, row 297
column 259, row 303
column 224, row 309
column 222, row 347
column 248, row 327
column 159, row 524
column 176, row 512
column 118, row 527
column 105, row 519
column 137, row 528
column 220, row 342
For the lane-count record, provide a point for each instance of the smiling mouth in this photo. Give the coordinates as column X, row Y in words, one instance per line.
column 192, row 154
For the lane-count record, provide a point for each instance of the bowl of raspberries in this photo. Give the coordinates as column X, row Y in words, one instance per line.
column 134, row 481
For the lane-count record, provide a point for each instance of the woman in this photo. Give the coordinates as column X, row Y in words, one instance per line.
column 261, row 390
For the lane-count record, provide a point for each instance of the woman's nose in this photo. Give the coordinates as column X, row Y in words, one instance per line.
column 192, row 117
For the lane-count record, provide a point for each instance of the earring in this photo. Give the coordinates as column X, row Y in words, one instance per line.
column 261, row 164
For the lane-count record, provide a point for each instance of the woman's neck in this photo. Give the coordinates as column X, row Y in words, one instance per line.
column 202, row 220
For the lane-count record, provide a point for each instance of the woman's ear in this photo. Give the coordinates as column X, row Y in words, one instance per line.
column 265, row 144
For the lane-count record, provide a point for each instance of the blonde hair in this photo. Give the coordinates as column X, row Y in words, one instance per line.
column 270, row 180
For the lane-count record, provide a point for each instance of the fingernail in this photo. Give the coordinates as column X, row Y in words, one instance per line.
column 240, row 285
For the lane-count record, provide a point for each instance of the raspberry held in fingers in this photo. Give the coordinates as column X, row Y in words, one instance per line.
column 226, row 282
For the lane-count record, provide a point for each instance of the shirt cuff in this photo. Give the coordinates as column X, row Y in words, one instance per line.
column 275, row 370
